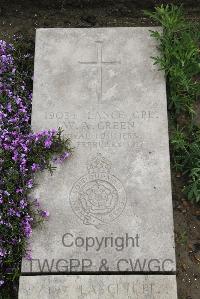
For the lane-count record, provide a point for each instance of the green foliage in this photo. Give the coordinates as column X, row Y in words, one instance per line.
column 182, row 239
column 180, row 59
column 179, row 48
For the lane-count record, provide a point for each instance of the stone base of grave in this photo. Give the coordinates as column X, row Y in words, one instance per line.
column 98, row 287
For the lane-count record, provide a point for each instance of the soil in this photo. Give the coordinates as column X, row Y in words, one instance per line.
column 23, row 17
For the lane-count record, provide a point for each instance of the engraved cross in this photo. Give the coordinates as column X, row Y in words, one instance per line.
column 99, row 63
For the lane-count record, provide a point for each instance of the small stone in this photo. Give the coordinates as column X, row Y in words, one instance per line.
column 190, row 246
column 184, row 267
column 196, row 213
column 185, row 203
column 178, row 175
column 197, row 256
column 195, row 250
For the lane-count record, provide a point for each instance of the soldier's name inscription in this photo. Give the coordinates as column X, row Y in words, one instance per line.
column 101, row 129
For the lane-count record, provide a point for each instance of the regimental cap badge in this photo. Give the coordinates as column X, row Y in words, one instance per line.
column 98, row 197
column 99, row 164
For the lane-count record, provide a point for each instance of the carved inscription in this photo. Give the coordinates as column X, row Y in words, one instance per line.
column 101, row 129
column 99, row 63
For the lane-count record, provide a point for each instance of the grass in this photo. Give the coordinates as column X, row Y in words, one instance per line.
column 180, row 59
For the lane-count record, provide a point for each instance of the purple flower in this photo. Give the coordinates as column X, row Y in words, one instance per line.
column 2, row 252
column 18, row 145
column 65, row 156
column 35, row 167
column 30, row 183
column 44, row 214
column 22, row 204
column 9, row 107
column 53, row 131
column 62, row 158
column 48, row 143
column 11, row 212
column 25, row 148
column 15, row 156
column 28, row 255
column 19, row 190
column 26, row 225
column 7, row 193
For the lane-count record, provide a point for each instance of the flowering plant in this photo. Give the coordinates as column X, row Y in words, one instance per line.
column 22, row 154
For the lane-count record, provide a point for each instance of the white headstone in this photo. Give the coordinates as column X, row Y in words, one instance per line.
column 110, row 204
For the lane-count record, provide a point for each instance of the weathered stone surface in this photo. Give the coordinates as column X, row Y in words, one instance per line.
column 98, row 286
column 110, row 204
